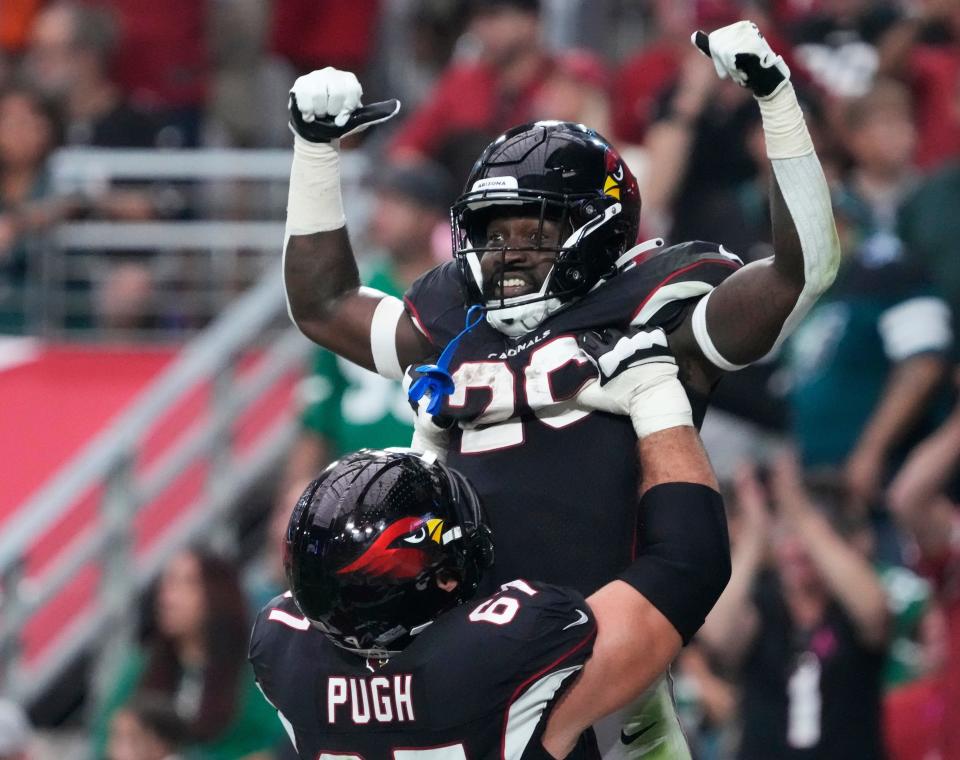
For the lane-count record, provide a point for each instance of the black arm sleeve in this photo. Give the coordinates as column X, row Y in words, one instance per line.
column 683, row 553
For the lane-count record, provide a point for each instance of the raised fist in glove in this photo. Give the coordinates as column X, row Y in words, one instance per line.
column 637, row 376
column 325, row 105
column 740, row 52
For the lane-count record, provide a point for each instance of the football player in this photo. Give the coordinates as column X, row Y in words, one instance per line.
column 544, row 243
column 379, row 651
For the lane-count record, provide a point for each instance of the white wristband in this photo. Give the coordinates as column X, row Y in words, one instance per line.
column 784, row 129
column 659, row 402
column 649, row 393
column 314, row 203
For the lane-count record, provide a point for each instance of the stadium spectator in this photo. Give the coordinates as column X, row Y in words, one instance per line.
column 29, row 131
column 163, row 63
column 315, row 33
column 15, row 23
column 197, row 657
column 577, row 90
column 807, row 638
column 240, row 77
column 868, row 359
column 913, row 714
column 844, row 44
column 475, row 100
column 68, row 59
column 930, row 227
column 5, row 71
column 697, row 155
column 642, row 79
column 927, row 57
column 926, row 722
column 16, row 733
column 146, row 728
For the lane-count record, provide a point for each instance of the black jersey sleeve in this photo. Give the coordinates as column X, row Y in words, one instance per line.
column 522, row 647
column 281, row 637
column 435, row 304
column 653, row 289
column 264, row 642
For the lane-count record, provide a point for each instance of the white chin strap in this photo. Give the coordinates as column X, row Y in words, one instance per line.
column 521, row 318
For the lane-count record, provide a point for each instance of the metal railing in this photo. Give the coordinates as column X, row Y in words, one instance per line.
column 110, row 461
column 226, row 234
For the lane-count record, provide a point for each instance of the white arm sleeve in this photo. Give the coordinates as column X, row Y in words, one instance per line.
column 807, row 196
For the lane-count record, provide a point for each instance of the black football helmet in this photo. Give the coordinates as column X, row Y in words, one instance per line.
column 366, row 542
column 554, row 170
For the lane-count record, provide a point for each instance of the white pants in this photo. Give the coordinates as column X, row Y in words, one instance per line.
column 649, row 728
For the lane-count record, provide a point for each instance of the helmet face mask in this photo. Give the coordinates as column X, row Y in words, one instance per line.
column 556, row 171
column 369, row 540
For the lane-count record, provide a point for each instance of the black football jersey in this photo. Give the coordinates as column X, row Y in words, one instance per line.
column 477, row 683
column 559, row 483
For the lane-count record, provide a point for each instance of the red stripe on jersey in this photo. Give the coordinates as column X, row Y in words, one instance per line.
column 417, row 321
column 591, row 635
column 677, row 273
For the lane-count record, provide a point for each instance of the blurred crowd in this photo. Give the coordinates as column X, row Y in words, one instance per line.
column 844, row 607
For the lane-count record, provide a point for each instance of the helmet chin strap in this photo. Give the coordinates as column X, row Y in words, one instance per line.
column 514, row 321
column 521, row 314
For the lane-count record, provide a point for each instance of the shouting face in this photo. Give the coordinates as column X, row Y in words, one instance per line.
column 520, row 257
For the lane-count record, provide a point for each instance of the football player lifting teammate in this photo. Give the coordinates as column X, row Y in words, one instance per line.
column 542, row 402
column 380, row 651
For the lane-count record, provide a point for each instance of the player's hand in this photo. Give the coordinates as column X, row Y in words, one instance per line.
column 740, row 52
column 614, row 351
column 431, row 433
column 637, row 376
column 325, row 105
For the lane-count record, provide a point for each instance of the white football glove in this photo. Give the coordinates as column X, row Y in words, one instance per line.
column 739, row 51
column 637, row 377
column 428, row 436
column 325, row 105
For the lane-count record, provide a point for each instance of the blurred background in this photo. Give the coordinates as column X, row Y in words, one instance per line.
column 159, row 415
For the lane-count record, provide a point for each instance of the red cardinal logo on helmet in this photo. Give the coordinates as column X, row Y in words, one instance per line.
column 399, row 552
column 614, row 167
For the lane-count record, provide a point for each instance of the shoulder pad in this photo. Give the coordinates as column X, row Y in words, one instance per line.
column 522, row 633
column 679, row 272
column 648, row 289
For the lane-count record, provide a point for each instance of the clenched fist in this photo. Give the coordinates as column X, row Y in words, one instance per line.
column 740, row 52
column 325, row 105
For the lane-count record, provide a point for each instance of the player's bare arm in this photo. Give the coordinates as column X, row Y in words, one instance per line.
column 683, row 562
column 324, row 294
column 757, row 307
column 636, row 641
